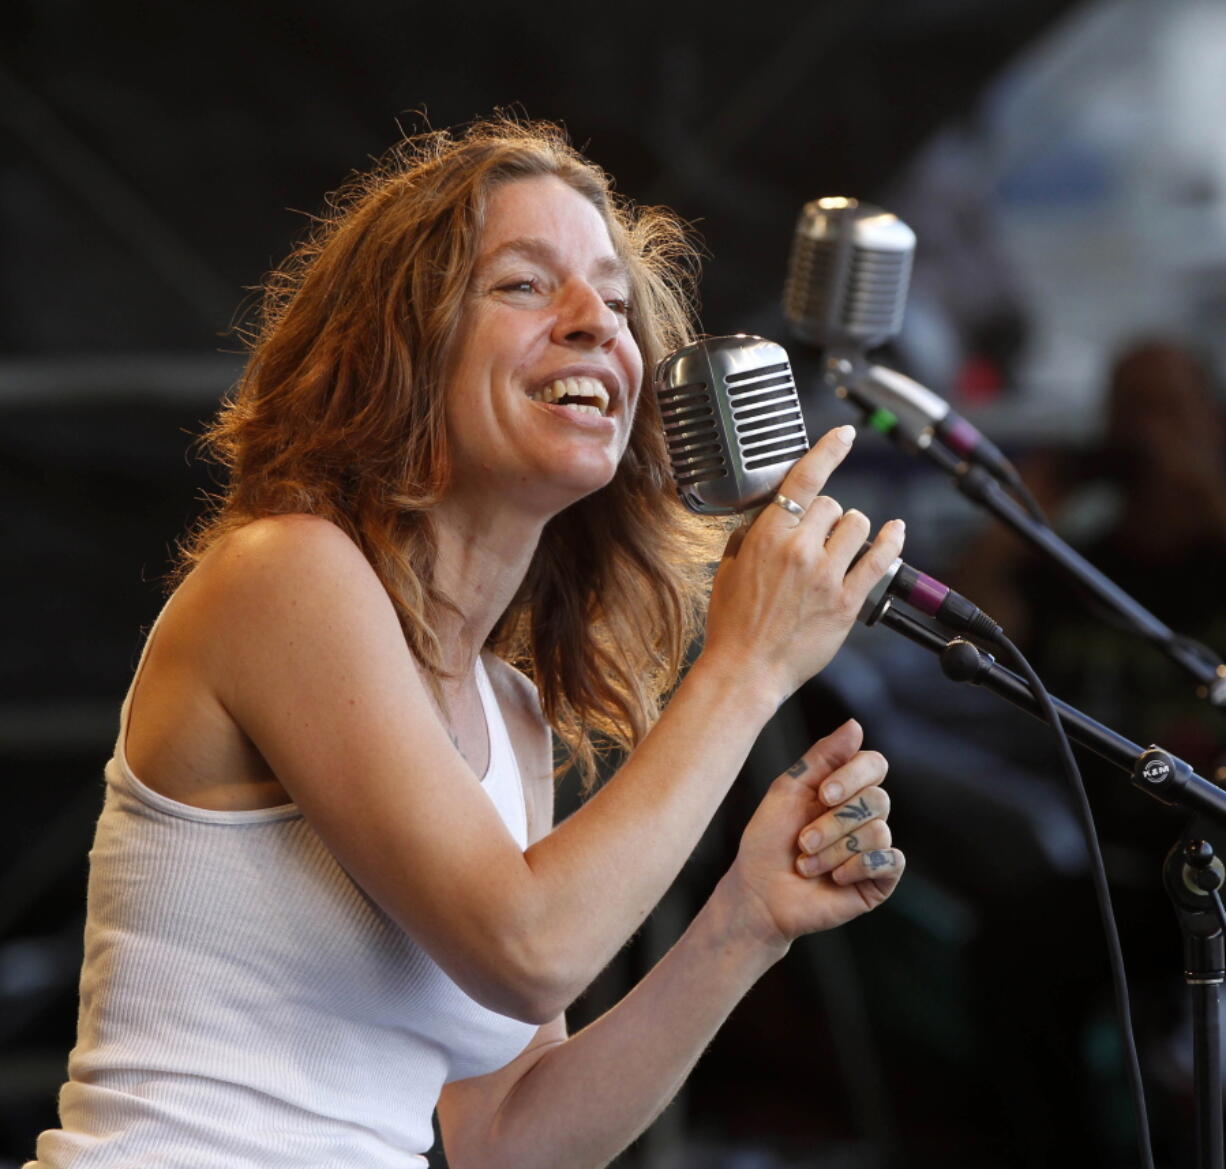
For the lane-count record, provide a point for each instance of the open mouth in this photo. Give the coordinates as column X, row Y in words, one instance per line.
column 579, row 393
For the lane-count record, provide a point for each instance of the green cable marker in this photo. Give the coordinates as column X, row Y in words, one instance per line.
column 882, row 420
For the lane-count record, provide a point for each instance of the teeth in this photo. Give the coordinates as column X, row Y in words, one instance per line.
column 575, row 387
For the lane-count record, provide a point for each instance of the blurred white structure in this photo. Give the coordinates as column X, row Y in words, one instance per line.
column 1090, row 188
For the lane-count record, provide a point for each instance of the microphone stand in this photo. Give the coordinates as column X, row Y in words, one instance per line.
column 1191, row 874
column 978, row 484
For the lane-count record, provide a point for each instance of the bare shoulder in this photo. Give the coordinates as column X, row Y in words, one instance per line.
column 286, row 571
column 285, row 551
column 252, row 610
column 289, row 593
column 530, row 736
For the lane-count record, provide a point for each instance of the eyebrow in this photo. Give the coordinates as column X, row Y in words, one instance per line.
column 542, row 250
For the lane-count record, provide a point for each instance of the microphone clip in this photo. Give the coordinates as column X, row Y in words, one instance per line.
column 850, row 377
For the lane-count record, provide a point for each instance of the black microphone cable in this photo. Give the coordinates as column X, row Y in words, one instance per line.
column 1098, row 873
column 943, row 605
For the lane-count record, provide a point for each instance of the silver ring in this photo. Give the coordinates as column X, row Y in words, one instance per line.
column 789, row 505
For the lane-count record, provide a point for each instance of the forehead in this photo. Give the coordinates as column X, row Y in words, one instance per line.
column 543, row 217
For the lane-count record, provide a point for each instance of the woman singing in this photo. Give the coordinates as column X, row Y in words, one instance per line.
column 327, row 896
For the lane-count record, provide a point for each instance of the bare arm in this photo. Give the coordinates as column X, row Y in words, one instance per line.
column 306, row 654
column 576, row 1103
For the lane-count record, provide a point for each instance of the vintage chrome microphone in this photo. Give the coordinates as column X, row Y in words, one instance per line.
column 846, row 291
column 732, row 421
column 848, row 274
column 734, row 428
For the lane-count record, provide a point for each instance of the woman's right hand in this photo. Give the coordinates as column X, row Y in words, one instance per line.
column 786, row 593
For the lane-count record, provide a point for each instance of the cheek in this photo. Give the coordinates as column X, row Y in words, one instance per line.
column 632, row 354
column 632, row 414
column 636, row 420
column 632, row 363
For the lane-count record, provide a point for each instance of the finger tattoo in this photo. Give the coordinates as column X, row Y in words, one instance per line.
column 879, row 858
column 798, row 768
column 853, row 845
column 857, row 811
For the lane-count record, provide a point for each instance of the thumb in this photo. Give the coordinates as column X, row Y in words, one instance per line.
column 828, row 754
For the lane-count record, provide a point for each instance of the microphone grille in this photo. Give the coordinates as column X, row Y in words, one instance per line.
column 732, row 421
column 848, row 274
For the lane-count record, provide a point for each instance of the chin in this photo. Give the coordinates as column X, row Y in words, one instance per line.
column 578, row 482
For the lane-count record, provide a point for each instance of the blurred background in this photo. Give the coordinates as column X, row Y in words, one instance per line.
column 1064, row 167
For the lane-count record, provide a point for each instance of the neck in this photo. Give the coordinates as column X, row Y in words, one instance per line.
column 483, row 556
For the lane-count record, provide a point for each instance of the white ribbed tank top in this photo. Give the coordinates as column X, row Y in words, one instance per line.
column 245, row 1004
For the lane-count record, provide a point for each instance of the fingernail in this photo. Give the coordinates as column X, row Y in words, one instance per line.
column 846, row 434
column 832, row 793
column 808, row 865
column 900, row 525
column 810, row 842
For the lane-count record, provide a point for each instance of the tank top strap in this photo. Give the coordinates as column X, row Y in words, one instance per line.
column 503, row 782
column 126, row 707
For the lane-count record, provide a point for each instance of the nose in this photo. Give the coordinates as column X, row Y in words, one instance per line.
column 585, row 320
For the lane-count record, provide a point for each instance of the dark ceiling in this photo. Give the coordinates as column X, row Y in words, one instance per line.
column 157, row 154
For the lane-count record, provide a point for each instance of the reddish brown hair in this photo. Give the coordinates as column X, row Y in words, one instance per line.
column 340, row 414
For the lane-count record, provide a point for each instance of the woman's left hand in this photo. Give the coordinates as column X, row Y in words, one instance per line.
column 817, row 851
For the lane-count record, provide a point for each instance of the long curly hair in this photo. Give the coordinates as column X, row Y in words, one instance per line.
column 340, row 414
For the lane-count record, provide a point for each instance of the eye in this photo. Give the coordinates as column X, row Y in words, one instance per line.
column 620, row 305
column 519, row 284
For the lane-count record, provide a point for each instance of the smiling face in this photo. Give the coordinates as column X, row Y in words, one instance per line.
column 545, row 375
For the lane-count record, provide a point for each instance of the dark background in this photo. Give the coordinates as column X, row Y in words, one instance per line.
column 157, row 159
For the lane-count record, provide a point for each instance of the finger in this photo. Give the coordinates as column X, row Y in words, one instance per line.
column 847, row 538
column 876, row 864
column 822, row 517
column 828, row 754
column 874, row 836
column 883, row 551
column 862, row 770
column 809, row 474
column 870, row 804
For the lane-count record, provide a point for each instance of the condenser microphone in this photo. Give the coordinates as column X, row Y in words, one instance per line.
column 734, row 428
column 846, row 291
